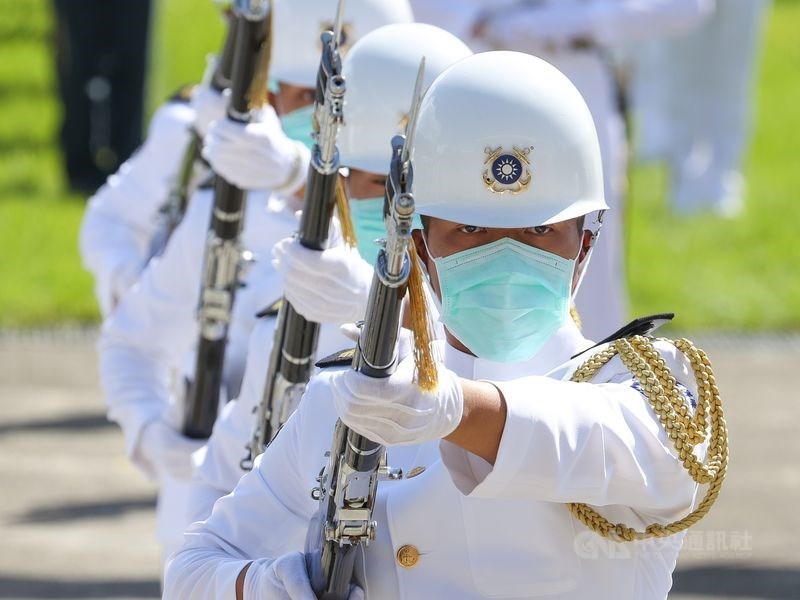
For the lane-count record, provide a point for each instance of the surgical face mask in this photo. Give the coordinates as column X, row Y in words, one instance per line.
column 297, row 125
column 367, row 216
column 504, row 300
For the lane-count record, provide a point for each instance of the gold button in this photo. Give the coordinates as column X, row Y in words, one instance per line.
column 414, row 472
column 408, row 556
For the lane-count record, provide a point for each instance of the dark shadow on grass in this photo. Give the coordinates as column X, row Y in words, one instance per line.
column 27, row 187
column 88, row 510
column 74, row 423
column 29, row 144
column 738, row 581
column 18, row 27
column 26, row 90
column 22, row 587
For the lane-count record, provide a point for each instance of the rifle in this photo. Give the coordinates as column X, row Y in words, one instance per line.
column 295, row 339
column 348, row 483
column 178, row 200
column 223, row 255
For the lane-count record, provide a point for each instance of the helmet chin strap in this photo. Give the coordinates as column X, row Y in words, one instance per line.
column 584, row 264
column 428, row 285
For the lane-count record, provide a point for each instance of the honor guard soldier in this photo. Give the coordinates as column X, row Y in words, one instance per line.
column 577, row 37
column 693, row 94
column 148, row 344
column 538, row 457
column 123, row 218
column 331, row 287
column 129, row 219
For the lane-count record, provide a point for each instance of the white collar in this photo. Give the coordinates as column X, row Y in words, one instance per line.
column 561, row 346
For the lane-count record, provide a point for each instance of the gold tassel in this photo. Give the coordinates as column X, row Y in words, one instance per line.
column 258, row 95
column 573, row 312
column 427, row 375
column 343, row 210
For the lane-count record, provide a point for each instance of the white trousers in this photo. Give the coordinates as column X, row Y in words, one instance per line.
column 171, row 515
column 692, row 95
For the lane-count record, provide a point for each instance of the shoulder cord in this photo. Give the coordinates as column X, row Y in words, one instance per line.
column 685, row 430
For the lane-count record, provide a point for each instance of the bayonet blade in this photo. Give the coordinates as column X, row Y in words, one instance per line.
column 416, row 101
column 339, row 23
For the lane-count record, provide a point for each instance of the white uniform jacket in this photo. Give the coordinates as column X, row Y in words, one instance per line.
column 481, row 531
column 122, row 218
column 153, row 331
column 217, row 465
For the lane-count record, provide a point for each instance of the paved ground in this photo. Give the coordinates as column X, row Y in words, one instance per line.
column 76, row 520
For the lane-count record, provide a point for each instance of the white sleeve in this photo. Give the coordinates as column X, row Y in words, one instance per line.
column 151, row 329
column 266, row 516
column 217, row 467
column 605, row 22
column 600, row 444
column 122, row 217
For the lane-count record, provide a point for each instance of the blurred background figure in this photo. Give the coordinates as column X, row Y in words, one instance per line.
column 101, row 53
column 579, row 37
column 692, row 95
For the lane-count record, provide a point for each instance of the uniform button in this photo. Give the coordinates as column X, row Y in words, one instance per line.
column 408, row 556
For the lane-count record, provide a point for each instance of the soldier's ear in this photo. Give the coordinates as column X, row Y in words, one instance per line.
column 587, row 241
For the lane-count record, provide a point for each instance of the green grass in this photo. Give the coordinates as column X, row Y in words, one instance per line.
column 42, row 281
column 739, row 274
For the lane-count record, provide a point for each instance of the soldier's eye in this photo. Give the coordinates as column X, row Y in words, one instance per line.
column 470, row 228
column 542, row 229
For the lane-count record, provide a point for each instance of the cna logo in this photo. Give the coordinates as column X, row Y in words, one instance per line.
column 590, row 546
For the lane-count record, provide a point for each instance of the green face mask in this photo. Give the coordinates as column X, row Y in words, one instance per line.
column 297, row 125
column 504, row 300
column 367, row 215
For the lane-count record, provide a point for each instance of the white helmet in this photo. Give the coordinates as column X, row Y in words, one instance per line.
column 297, row 25
column 505, row 140
column 381, row 70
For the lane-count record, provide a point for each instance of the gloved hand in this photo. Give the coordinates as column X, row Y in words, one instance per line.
column 331, row 286
column 258, row 155
column 284, row 578
column 405, row 342
column 166, row 451
column 208, row 105
column 393, row 410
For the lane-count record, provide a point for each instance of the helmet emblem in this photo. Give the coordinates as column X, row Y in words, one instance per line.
column 507, row 171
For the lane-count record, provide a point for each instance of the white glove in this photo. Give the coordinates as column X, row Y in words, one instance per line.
column 405, row 342
column 208, row 105
column 284, row 578
column 393, row 410
column 258, row 155
column 167, row 451
column 331, row 286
